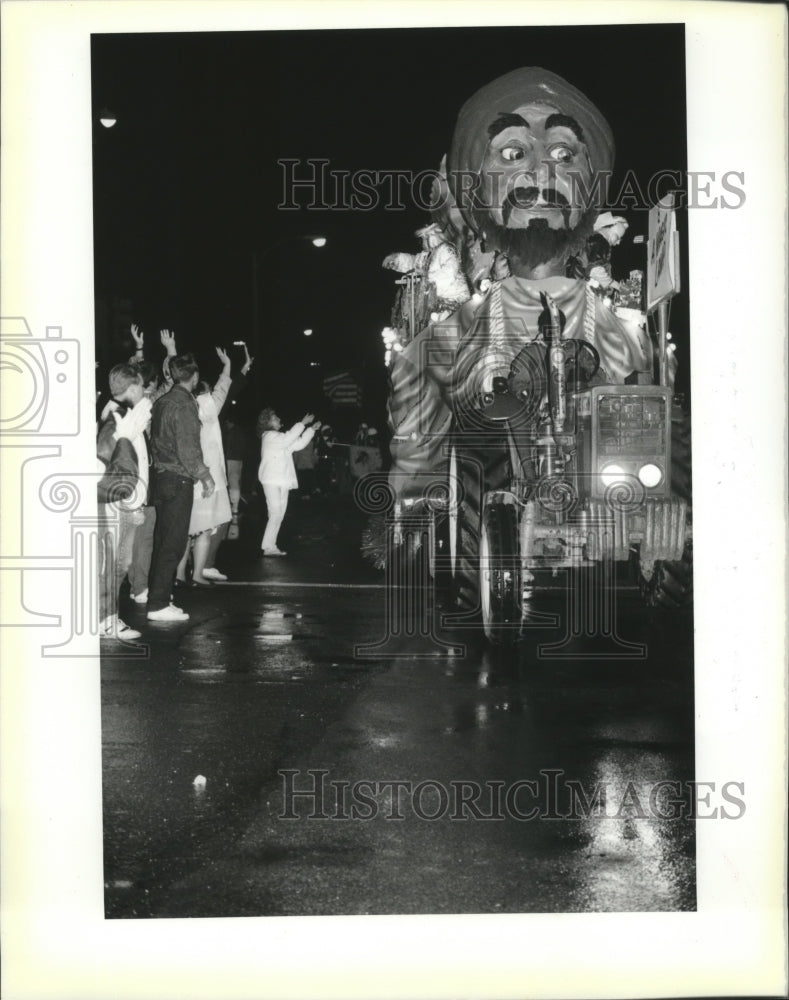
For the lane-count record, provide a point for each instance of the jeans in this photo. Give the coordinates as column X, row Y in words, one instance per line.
column 116, row 539
column 142, row 551
column 277, row 503
column 173, row 501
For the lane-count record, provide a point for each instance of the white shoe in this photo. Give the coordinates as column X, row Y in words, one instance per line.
column 115, row 628
column 141, row 598
column 272, row 552
column 213, row 574
column 168, row 614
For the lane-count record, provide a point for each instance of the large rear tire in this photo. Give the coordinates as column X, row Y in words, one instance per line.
column 500, row 574
column 477, row 468
column 671, row 582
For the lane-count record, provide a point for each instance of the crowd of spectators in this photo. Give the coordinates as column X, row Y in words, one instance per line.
column 163, row 493
column 172, row 477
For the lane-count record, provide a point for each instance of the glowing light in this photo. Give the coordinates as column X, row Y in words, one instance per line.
column 107, row 118
column 650, row 475
column 319, row 241
column 308, row 333
column 612, row 473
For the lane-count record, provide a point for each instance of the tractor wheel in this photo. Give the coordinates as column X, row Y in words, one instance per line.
column 475, row 469
column 500, row 575
column 681, row 457
column 671, row 582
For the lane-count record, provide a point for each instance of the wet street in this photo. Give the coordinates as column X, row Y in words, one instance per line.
column 345, row 774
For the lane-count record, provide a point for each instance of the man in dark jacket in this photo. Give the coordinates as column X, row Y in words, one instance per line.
column 178, row 464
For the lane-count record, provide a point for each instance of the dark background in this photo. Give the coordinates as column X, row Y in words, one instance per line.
column 187, row 186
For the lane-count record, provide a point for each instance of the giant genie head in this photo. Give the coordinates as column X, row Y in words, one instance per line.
column 528, row 165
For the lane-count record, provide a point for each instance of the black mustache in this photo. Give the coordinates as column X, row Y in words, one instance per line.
column 527, row 197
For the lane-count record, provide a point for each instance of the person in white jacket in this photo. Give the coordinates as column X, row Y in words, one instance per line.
column 277, row 473
column 209, row 514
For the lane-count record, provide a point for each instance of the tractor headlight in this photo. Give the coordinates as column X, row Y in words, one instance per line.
column 612, row 473
column 650, row 475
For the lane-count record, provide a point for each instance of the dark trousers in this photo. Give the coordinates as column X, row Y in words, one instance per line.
column 142, row 550
column 173, row 501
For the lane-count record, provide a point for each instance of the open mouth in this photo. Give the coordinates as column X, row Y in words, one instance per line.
column 533, row 200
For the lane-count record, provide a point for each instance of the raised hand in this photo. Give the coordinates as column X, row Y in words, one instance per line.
column 137, row 336
column 134, row 421
column 168, row 342
column 223, row 357
column 248, row 362
column 307, row 419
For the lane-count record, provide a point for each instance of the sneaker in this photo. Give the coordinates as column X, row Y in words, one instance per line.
column 115, row 628
column 168, row 614
column 141, row 598
column 213, row 574
column 272, row 552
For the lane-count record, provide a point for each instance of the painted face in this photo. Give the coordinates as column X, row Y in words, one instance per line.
column 535, row 171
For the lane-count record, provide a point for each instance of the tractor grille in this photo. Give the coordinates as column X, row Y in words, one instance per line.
column 631, row 426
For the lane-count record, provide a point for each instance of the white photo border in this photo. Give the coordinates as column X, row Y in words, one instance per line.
column 56, row 941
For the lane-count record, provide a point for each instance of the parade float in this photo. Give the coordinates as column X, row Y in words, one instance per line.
column 534, row 426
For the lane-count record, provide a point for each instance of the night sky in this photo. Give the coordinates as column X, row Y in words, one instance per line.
column 187, row 185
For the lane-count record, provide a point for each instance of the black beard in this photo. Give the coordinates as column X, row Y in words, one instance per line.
column 538, row 244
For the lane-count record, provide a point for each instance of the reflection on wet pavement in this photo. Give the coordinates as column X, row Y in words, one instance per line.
column 493, row 781
column 250, row 691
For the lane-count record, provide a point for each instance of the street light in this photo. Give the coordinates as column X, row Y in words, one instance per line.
column 258, row 256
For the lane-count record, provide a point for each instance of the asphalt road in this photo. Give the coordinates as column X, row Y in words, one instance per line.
column 350, row 768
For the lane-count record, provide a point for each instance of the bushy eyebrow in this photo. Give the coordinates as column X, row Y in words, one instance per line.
column 506, row 121
column 558, row 119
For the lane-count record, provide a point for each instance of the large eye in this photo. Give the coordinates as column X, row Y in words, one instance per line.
column 512, row 153
column 562, row 154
